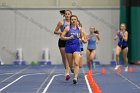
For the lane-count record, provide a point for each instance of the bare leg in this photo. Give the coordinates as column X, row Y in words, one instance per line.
column 92, row 55
column 125, row 52
column 88, row 60
column 70, row 61
column 76, row 56
column 118, row 50
column 81, row 60
column 64, row 59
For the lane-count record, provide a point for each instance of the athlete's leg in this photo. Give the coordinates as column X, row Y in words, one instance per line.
column 76, row 56
column 88, row 60
column 69, row 58
column 81, row 59
column 71, row 62
column 64, row 58
column 92, row 55
column 65, row 62
column 125, row 52
column 118, row 50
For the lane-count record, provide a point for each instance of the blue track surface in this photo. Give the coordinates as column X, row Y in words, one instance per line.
column 35, row 79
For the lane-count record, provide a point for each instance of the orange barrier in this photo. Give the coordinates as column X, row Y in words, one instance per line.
column 130, row 69
column 95, row 88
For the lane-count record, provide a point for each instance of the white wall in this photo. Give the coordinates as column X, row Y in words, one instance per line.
column 32, row 30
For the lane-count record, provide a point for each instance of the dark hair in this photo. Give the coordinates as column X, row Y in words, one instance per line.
column 73, row 16
column 62, row 12
column 96, row 32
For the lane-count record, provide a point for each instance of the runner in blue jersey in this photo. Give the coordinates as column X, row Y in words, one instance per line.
column 122, row 37
column 81, row 47
column 93, row 38
column 72, row 34
column 62, row 24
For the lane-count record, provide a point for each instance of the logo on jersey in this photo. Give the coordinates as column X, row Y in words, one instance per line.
column 75, row 35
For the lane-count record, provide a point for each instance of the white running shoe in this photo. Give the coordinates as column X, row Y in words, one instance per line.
column 117, row 66
column 126, row 69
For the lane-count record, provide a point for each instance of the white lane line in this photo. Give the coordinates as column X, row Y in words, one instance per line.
column 131, row 82
column 89, row 88
column 14, row 74
column 38, row 91
column 6, row 74
column 19, row 79
column 11, row 83
column 33, row 74
column 46, row 88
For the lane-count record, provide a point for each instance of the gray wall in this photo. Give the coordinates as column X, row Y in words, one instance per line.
column 61, row 3
column 32, row 30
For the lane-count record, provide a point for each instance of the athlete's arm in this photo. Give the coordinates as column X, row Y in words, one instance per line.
column 63, row 35
column 98, row 38
column 56, row 31
column 116, row 37
column 83, row 35
column 125, row 36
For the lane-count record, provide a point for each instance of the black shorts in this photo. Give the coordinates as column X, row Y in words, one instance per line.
column 61, row 43
column 90, row 50
column 122, row 47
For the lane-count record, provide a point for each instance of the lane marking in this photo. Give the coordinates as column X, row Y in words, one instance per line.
column 125, row 78
column 11, row 83
column 6, row 74
column 137, row 86
column 89, row 88
column 38, row 90
column 14, row 74
column 18, row 80
column 48, row 85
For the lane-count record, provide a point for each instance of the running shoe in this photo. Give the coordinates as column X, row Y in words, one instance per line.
column 74, row 80
column 67, row 77
column 117, row 66
column 126, row 69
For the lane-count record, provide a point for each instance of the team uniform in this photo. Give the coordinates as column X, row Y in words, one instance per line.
column 92, row 42
column 62, row 43
column 121, row 43
column 73, row 45
column 92, row 45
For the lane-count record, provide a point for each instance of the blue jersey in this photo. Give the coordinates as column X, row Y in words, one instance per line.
column 73, row 45
column 92, row 42
column 75, row 33
column 121, row 42
column 64, row 25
